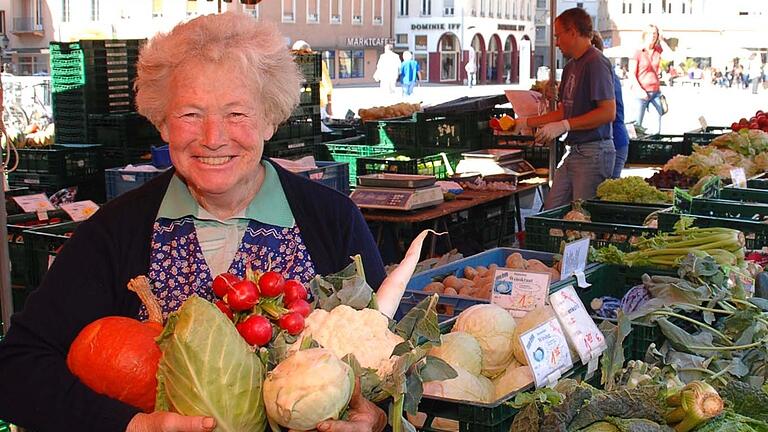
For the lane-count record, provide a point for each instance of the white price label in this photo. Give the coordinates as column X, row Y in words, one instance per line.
column 34, row 203
column 575, row 258
column 703, row 123
column 579, row 326
column 631, row 131
column 519, row 292
column 738, row 177
column 547, row 351
column 81, row 210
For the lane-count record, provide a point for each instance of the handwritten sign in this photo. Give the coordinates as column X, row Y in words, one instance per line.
column 579, row 327
column 519, row 292
column 34, row 203
column 81, row 210
column 738, row 177
column 575, row 261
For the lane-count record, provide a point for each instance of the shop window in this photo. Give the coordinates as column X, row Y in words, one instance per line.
column 157, row 8
column 313, row 11
column 351, row 63
column 329, row 57
column 289, row 11
column 252, row 10
column 426, row 7
column 65, row 11
column 191, row 7
column 420, row 42
column 402, row 10
column 377, row 6
column 423, row 60
column 448, row 7
column 357, row 11
column 449, row 58
column 95, row 10
column 336, row 11
column 401, row 39
column 541, row 33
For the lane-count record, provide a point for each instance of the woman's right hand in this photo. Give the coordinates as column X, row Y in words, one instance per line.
column 170, row 422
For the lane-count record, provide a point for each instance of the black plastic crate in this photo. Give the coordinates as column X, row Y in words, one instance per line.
column 448, row 130
column 118, row 157
column 409, row 162
column 309, row 94
column 298, row 126
column 129, row 130
column 310, row 65
column 73, row 161
column 43, row 244
column 91, row 187
column 17, row 251
column 400, row 133
column 612, row 224
column 707, row 213
column 657, row 149
column 536, row 155
column 11, row 208
column 705, row 136
column 294, row 148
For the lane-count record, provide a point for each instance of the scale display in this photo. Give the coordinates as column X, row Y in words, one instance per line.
column 397, row 199
column 520, row 167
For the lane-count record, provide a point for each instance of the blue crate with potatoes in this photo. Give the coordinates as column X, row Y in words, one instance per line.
column 450, row 306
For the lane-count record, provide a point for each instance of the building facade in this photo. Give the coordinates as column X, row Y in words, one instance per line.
column 442, row 33
column 544, row 31
column 350, row 33
column 708, row 32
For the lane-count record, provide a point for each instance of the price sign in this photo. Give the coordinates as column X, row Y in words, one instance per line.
column 34, row 203
column 519, row 292
column 703, row 123
column 738, row 177
column 81, row 210
column 575, row 261
column 580, row 328
column 631, row 132
column 547, row 352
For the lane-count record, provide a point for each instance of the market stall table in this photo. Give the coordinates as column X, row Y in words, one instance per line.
column 438, row 214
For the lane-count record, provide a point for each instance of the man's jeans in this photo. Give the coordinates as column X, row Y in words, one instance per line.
column 621, row 158
column 408, row 88
column 584, row 167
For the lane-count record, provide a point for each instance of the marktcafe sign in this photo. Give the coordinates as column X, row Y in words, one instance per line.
column 368, row 42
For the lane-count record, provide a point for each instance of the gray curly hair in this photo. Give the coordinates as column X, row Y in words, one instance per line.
column 256, row 49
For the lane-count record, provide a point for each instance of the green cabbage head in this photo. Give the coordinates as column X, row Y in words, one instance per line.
column 460, row 349
column 307, row 388
column 493, row 328
column 207, row 369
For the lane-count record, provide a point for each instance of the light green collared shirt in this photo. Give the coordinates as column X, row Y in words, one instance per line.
column 220, row 239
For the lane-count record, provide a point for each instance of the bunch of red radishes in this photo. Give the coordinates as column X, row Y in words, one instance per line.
column 261, row 302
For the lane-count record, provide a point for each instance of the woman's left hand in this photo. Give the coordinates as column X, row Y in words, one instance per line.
column 364, row 416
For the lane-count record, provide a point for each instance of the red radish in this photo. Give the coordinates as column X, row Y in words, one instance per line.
column 256, row 330
column 223, row 283
column 117, row 356
column 292, row 322
column 243, row 296
column 301, row 307
column 293, row 290
column 222, row 305
column 392, row 289
column 271, row 284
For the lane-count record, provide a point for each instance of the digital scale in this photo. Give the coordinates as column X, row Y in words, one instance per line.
column 396, row 192
column 494, row 162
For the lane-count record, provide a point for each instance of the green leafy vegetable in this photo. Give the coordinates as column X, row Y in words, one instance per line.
column 613, row 357
column 347, row 287
column 207, row 369
column 631, row 190
column 745, row 399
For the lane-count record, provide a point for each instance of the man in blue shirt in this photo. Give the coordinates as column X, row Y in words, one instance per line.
column 410, row 73
column 620, row 134
column 587, row 109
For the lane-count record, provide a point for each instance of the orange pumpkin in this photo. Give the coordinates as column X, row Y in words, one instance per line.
column 118, row 357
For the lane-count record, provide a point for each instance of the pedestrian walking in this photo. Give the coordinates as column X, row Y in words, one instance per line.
column 387, row 70
column 645, row 84
column 410, row 73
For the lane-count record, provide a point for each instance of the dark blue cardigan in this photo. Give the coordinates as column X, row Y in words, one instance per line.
column 88, row 281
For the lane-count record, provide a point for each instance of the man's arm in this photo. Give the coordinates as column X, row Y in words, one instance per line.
column 549, row 117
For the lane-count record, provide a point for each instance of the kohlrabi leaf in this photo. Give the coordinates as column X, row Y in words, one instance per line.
column 347, row 287
column 613, row 358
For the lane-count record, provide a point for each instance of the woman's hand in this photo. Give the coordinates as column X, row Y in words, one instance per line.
column 170, row 422
column 364, row 416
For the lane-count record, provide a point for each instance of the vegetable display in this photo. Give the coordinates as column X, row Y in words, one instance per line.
column 631, row 190
column 494, row 328
column 117, row 356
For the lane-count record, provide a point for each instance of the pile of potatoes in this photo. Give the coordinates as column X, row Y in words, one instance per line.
column 477, row 281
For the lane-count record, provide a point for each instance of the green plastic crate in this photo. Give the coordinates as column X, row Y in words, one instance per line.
column 399, row 133
column 757, row 183
column 657, row 149
column 707, row 213
column 73, row 161
column 17, row 251
column 413, row 162
column 615, row 224
column 350, row 149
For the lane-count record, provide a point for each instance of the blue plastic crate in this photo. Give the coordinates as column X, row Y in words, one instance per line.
column 335, row 175
column 120, row 180
column 452, row 305
column 161, row 157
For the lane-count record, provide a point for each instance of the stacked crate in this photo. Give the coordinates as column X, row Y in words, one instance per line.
column 299, row 134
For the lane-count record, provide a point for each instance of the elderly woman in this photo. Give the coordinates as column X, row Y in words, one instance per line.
column 216, row 88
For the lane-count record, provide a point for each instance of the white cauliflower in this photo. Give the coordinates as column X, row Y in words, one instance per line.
column 364, row 333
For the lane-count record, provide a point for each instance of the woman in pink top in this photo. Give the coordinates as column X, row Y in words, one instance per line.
column 644, row 75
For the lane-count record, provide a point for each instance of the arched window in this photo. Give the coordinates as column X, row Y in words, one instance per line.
column 449, row 57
